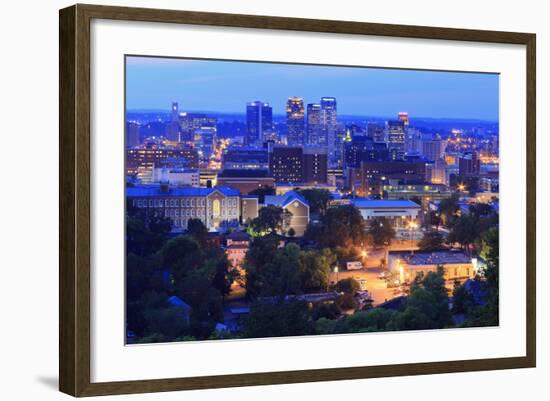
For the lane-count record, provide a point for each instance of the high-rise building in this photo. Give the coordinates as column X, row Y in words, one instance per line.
column 245, row 158
column 286, row 164
column 329, row 121
column 189, row 122
column 205, row 138
column 172, row 131
column 174, row 114
column 295, row 120
column 362, row 148
column 376, row 174
column 315, row 165
column 314, row 127
column 403, row 116
column 395, row 132
column 436, row 172
column 259, row 121
column 413, row 142
column 376, row 132
column 468, row 165
column 132, row 135
column 434, row 148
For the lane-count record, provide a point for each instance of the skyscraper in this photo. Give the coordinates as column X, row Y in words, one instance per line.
column 468, row 165
column 395, row 132
column 413, row 142
column 172, row 131
column 314, row 127
column 286, row 164
column 295, row 120
column 189, row 122
column 434, row 148
column 315, row 165
column 403, row 116
column 328, row 121
column 376, row 132
column 174, row 114
column 259, row 121
column 132, row 134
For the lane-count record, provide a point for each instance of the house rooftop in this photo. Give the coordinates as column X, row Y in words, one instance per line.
column 283, row 200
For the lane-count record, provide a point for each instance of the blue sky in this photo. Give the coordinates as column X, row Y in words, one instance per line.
column 226, row 86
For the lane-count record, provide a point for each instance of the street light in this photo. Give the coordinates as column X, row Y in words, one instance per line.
column 336, row 271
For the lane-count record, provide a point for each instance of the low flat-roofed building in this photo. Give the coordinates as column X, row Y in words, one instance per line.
column 400, row 211
column 407, row 265
column 283, row 188
column 296, row 205
column 425, row 192
column 176, row 176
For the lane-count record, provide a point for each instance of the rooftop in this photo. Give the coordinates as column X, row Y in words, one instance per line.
column 238, row 236
column 432, row 258
column 384, row 203
column 244, row 173
column 155, row 190
column 283, row 200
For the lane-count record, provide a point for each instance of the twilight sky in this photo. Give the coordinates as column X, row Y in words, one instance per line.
column 226, row 86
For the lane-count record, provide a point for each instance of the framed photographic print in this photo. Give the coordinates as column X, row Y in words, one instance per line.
column 250, row 200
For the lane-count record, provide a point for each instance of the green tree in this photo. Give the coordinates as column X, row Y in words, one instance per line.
column 488, row 314
column 197, row 229
column 448, row 210
column 326, row 310
column 346, row 301
column 276, row 319
column 465, row 231
column 348, row 286
column 318, row 199
column 431, row 241
column 427, row 306
column 381, row 231
column 270, row 219
column 341, row 226
column 462, row 299
column 281, row 275
column 262, row 250
column 262, row 192
column 372, row 320
column 146, row 232
column 314, row 269
column 167, row 321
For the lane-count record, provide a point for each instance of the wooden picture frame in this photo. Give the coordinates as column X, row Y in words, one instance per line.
column 74, row 194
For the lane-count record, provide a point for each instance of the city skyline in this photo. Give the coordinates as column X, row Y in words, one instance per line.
column 227, row 86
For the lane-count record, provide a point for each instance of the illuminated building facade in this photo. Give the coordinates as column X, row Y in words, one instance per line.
column 155, row 154
column 189, row 122
column 217, row 208
column 395, row 134
column 315, row 133
column 329, row 125
column 286, row 163
column 468, row 165
column 259, row 121
column 295, row 120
